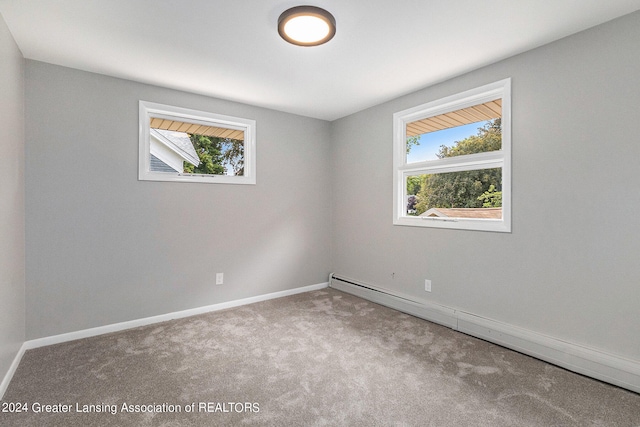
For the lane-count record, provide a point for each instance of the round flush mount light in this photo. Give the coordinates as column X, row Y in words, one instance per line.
column 306, row 26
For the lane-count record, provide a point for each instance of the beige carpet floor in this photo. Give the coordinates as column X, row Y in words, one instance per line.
column 322, row 358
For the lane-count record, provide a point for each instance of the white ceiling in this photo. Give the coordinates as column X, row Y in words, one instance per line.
column 231, row 49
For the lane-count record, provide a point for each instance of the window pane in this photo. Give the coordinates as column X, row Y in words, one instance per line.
column 476, row 129
column 452, row 161
column 466, row 194
column 183, row 148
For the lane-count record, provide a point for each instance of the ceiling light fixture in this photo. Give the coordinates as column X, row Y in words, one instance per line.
column 306, row 26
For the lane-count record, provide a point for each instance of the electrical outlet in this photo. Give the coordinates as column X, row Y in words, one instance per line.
column 219, row 278
column 427, row 285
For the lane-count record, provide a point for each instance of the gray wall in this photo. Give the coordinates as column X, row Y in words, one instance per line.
column 570, row 267
column 103, row 247
column 12, row 244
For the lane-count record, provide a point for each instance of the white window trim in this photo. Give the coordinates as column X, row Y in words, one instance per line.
column 502, row 158
column 151, row 109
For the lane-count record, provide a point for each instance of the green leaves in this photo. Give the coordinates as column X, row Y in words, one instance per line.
column 489, row 138
column 411, row 141
column 216, row 155
column 491, row 198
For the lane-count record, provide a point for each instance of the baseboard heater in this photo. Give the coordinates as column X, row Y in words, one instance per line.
column 583, row 360
column 423, row 309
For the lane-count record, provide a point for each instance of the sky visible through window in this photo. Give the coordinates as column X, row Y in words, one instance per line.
column 430, row 142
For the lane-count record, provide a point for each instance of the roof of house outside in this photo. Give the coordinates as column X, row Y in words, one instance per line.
column 484, row 213
column 197, row 129
column 477, row 113
column 178, row 142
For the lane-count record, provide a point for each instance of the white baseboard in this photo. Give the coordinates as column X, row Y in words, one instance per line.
column 116, row 327
column 583, row 360
column 12, row 370
column 57, row 339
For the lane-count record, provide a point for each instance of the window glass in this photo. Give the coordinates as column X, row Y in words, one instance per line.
column 452, row 161
column 427, row 146
column 177, row 144
column 473, row 193
column 196, row 149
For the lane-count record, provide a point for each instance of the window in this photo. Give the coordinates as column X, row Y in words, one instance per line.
column 178, row 144
column 452, row 161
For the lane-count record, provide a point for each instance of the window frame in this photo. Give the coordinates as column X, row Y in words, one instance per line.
column 152, row 109
column 494, row 159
